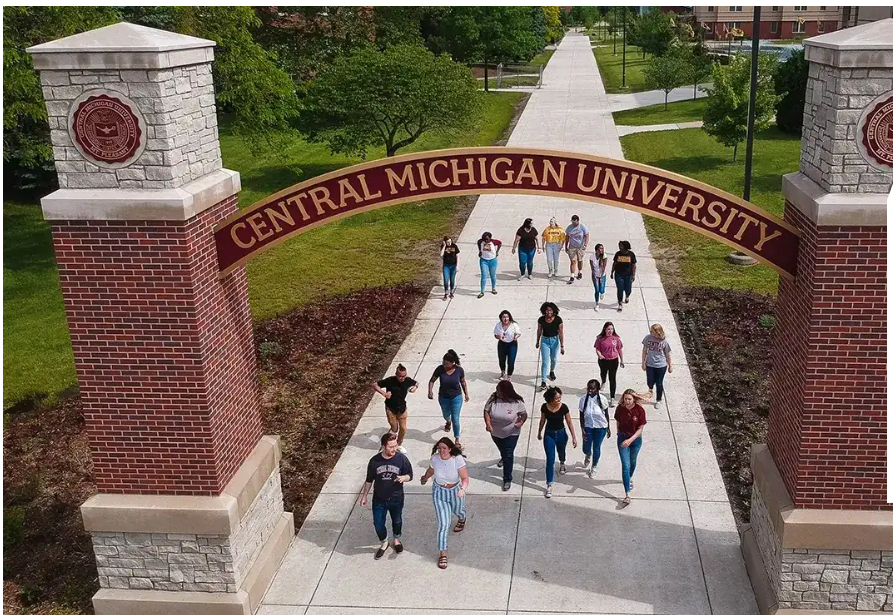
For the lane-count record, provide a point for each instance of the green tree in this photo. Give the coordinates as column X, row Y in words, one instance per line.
column 652, row 31
column 666, row 72
column 387, row 98
column 488, row 34
column 790, row 86
column 554, row 29
column 698, row 65
column 27, row 152
column 725, row 118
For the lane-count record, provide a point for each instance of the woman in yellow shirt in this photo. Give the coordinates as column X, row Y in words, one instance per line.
column 553, row 239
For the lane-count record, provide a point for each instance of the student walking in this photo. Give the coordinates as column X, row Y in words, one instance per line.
column 527, row 243
column 504, row 415
column 623, row 272
column 450, row 253
column 448, row 493
column 507, row 332
column 630, row 418
column 554, row 416
column 387, row 470
column 656, row 361
column 598, row 262
column 609, row 348
column 549, row 337
column 594, row 425
column 449, row 395
column 576, row 241
column 553, row 241
column 488, row 253
column 394, row 389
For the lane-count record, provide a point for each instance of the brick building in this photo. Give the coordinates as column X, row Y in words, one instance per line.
column 778, row 22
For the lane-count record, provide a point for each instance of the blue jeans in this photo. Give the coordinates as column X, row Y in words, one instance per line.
column 554, row 441
column 449, row 278
column 553, row 252
column 628, row 458
column 624, row 285
column 488, row 268
column 451, row 407
column 506, row 448
column 549, row 355
column 592, row 442
column 655, row 376
column 598, row 285
column 380, row 512
column 507, row 351
column 525, row 260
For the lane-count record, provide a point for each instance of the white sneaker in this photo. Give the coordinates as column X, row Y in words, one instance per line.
column 596, row 307
column 520, row 277
column 613, row 402
column 562, row 469
column 528, row 277
column 587, row 460
column 602, row 296
column 401, row 449
column 657, row 405
column 549, row 491
column 591, row 471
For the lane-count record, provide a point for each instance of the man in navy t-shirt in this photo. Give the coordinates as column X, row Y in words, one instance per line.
column 387, row 470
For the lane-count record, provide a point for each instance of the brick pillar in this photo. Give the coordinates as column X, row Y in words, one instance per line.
column 821, row 531
column 189, row 512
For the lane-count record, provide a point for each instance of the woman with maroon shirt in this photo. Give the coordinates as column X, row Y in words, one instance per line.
column 609, row 349
column 630, row 417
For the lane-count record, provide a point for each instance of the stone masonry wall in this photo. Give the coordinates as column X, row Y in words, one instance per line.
column 189, row 562
column 822, row 579
column 835, row 99
column 178, row 105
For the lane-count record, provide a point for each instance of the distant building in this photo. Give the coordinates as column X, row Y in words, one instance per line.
column 776, row 22
column 857, row 15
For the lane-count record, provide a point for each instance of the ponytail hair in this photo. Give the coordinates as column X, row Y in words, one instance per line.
column 452, row 356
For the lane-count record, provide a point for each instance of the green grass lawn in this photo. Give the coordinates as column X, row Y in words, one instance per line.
column 611, row 68
column 543, row 58
column 694, row 259
column 386, row 246
column 675, row 113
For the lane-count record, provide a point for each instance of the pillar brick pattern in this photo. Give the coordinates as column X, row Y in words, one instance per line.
column 164, row 352
column 827, row 425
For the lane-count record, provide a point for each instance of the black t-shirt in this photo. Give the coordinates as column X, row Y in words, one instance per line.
column 398, row 391
column 623, row 263
column 383, row 474
column 554, row 420
column 449, row 254
column 528, row 238
column 550, row 329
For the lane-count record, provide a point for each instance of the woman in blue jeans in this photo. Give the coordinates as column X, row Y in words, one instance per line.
column 594, row 424
column 656, row 361
column 449, row 251
column 549, row 338
column 504, row 415
column 452, row 387
column 630, row 417
column 488, row 252
column 527, row 243
column 554, row 416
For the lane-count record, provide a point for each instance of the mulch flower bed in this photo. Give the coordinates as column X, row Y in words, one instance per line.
column 727, row 339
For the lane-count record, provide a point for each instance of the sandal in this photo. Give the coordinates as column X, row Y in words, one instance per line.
column 460, row 525
column 448, row 425
column 481, row 295
column 442, row 562
column 451, row 295
column 494, row 292
column 627, row 501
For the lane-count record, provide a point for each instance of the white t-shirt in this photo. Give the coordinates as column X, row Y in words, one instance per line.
column 446, row 471
column 593, row 415
column 594, row 259
column 511, row 333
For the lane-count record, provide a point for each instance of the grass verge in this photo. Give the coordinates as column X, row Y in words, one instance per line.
column 675, row 113
column 687, row 258
column 378, row 248
column 611, row 68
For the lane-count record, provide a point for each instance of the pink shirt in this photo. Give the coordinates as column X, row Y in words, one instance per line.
column 610, row 347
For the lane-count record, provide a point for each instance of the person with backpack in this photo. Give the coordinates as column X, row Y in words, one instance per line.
column 594, row 425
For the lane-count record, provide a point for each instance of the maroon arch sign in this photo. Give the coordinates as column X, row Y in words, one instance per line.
column 502, row 170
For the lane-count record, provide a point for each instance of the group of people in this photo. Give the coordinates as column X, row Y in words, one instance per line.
column 505, row 411
column 574, row 239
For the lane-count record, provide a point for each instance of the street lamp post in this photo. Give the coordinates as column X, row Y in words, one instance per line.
column 751, row 109
column 624, row 49
column 614, row 29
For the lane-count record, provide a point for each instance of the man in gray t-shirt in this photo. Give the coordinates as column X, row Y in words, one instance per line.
column 575, row 244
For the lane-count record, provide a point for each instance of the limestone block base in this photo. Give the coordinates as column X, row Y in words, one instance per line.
column 808, row 561
column 189, row 554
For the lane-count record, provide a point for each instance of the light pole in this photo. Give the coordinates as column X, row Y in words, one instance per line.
column 751, row 109
column 624, row 48
column 614, row 29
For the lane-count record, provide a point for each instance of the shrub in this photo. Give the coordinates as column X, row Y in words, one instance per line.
column 790, row 85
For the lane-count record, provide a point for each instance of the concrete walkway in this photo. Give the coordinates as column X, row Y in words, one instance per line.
column 674, row 550
column 622, row 102
column 629, row 130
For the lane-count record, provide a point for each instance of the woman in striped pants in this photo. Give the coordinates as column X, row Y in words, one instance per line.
column 450, row 484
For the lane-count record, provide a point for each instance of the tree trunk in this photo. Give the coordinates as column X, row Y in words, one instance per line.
column 696, row 91
column 486, row 76
column 666, row 97
column 735, row 153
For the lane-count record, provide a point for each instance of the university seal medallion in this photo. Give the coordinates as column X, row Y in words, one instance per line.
column 876, row 130
column 107, row 129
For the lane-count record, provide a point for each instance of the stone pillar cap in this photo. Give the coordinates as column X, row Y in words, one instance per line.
column 866, row 46
column 122, row 46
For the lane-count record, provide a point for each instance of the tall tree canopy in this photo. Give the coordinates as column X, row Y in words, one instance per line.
column 554, row 29
column 388, row 98
column 790, row 86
